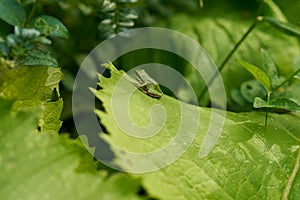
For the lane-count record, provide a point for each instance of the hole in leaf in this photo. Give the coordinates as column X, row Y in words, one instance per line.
column 143, row 193
column 106, row 73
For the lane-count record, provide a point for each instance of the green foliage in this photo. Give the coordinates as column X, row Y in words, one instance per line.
column 26, row 46
column 269, row 79
column 248, row 161
column 22, row 47
column 221, row 34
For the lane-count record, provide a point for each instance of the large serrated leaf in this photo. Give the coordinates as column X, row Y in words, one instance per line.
column 42, row 166
column 248, row 162
column 12, row 12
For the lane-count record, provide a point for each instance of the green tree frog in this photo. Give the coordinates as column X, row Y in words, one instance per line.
column 147, row 85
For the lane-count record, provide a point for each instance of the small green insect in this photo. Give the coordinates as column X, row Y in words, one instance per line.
column 147, row 85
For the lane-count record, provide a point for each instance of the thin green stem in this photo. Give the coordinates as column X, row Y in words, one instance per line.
column 31, row 14
column 286, row 80
column 268, row 103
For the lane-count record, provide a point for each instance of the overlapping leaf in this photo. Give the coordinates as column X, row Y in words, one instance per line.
column 44, row 166
column 32, row 87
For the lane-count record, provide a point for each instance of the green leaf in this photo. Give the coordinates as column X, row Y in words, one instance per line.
column 269, row 67
column 259, row 74
column 259, row 103
column 41, row 166
column 37, row 58
column 248, row 161
column 12, row 12
column 280, row 105
column 286, row 104
column 32, row 87
column 128, row 1
column 51, row 26
column 285, row 27
column 274, row 11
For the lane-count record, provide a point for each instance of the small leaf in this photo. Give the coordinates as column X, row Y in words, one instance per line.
column 37, row 58
column 107, row 21
column 286, row 104
column 12, row 12
column 259, row 103
column 280, row 105
column 274, row 11
column 286, row 27
column 51, row 26
column 128, row 1
column 128, row 23
column 129, row 14
column 259, row 74
column 269, row 67
column 108, row 6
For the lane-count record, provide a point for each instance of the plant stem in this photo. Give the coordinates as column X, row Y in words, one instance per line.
column 31, row 14
column 225, row 61
column 286, row 80
column 268, row 103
